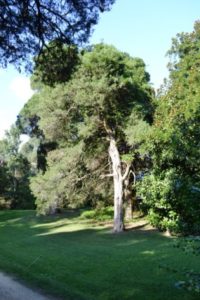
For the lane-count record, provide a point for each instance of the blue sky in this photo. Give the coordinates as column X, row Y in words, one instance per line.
column 142, row 28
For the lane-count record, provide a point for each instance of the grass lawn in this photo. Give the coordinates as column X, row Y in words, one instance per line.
column 74, row 259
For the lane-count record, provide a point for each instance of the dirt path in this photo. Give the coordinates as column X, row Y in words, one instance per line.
column 10, row 289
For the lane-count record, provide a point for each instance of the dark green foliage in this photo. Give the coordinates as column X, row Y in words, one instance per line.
column 27, row 120
column 4, row 186
column 14, row 173
column 28, row 26
column 55, row 64
column 171, row 201
column 172, row 193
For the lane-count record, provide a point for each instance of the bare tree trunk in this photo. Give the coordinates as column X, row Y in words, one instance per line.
column 128, row 201
column 118, row 186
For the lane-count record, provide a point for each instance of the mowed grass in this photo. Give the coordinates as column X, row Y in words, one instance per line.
column 73, row 259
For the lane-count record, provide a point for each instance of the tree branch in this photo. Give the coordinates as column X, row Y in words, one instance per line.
column 126, row 172
column 134, row 177
column 106, row 175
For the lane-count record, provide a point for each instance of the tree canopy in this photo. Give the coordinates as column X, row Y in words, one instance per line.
column 88, row 117
column 28, row 26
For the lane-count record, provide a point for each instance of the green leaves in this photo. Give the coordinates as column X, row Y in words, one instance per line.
column 174, row 142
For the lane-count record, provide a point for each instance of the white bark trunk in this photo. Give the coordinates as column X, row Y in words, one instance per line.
column 118, row 186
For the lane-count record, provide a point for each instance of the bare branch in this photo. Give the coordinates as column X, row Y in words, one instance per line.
column 134, row 177
column 106, row 175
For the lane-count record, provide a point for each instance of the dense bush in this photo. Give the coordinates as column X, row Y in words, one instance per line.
column 172, row 202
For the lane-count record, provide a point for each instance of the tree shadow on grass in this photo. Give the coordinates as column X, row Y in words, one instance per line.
column 89, row 262
column 100, row 265
column 6, row 215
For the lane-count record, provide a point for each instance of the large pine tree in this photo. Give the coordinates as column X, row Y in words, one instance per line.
column 89, row 117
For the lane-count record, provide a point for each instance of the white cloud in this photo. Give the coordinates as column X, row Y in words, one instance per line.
column 20, row 87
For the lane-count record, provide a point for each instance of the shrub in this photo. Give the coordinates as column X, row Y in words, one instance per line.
column 171, row 202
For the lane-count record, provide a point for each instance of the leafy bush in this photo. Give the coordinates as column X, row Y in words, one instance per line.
column 171, row 202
